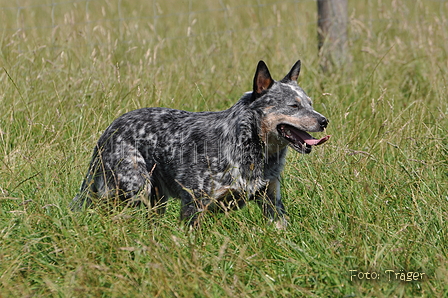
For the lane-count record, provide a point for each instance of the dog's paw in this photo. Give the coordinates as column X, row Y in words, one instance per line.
column 281, row 224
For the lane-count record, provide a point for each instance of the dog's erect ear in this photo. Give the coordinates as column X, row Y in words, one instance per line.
column 262, row 79
column 293, row 73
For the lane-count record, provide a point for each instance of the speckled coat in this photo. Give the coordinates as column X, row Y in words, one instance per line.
column 209, row 160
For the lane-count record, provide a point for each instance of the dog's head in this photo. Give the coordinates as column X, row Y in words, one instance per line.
column 287, row 112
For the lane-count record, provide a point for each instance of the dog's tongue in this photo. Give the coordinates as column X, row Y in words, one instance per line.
column 308, row 139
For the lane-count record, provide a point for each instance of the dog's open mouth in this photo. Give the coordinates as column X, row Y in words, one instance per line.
column 300, row 140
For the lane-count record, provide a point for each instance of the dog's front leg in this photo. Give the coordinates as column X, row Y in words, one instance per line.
column 271, row 204
column 191, row 210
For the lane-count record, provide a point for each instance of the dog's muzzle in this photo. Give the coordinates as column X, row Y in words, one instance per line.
column 300, row 140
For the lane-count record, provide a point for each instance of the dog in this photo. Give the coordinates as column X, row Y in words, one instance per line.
column 214, row 161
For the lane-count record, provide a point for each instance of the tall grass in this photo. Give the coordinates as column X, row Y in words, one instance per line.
column 372, row 199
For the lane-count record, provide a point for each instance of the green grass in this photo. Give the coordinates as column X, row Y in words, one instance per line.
column 374, row 198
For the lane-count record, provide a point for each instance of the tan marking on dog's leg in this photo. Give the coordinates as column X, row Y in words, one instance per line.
column 274, row 193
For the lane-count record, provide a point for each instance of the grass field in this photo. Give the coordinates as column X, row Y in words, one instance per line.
column 372, row 200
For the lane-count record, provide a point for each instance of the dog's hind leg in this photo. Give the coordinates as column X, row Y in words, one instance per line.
column 271, row 204
column 121, row 175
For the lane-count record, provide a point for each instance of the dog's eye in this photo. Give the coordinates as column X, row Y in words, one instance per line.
column 294, row 106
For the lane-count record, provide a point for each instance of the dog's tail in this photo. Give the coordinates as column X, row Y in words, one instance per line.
column 88, row 188
column 82, row 199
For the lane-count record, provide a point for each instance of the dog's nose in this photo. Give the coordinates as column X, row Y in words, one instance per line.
column 323, row 122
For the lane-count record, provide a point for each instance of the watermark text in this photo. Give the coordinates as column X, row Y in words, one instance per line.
column 387, row 275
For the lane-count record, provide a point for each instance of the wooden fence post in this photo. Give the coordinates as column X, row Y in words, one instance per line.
column 332, row 33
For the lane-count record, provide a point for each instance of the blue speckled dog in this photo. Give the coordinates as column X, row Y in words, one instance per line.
column 209, row 160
